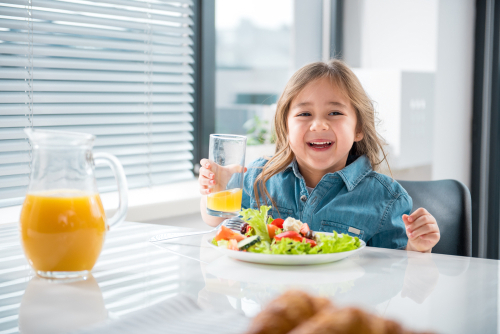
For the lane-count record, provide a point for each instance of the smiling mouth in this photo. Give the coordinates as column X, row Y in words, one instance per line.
column 323, row 144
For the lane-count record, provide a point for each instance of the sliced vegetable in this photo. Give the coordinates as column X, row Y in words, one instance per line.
column 304, row 229
column 257, row 219
column 290, row 235
column 278, row 222
column 222, row 243
column 309, row 241
column 250, row 231
column 227, row 234
column 247, row 242
column 271, row 229
column 232, row 244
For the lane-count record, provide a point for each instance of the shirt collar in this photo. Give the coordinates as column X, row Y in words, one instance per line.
column 351, row 174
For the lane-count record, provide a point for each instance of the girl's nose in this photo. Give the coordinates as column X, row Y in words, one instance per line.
column 319, row 125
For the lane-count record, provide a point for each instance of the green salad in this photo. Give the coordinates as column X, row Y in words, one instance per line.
column 263, row 234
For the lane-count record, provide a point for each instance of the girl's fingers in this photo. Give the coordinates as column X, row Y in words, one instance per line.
column 423, row 230
column 207, row 173
column 417, row 213
column 205, row 163
column 204, row 190
column 422, row 220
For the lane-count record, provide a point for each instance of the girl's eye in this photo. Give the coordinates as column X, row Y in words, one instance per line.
column 304, row 114
column 335, row 113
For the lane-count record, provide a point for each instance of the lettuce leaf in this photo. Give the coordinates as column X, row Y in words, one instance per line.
column 257, row 219
column 261, row 247
column 222, row 243
column 335, row 244
column 288, row 246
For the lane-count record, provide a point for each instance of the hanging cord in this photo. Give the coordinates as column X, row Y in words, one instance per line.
column 29, row 79
column 149, row 90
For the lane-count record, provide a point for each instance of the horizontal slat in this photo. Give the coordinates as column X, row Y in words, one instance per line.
column 86, row 64
column 24, row 156
column 14, row 145
column 94, row 108
column 75, row 75
column 14, row 181
column 11, row 193
column 78, row 86
column 105, row 130
column 14, row 169
column 94, row 43
column 53, row 27
column 109, row 184
column 124, row 129
column 140, row 139
column 44, row 97
column 156, row 157
column 16, row 157
column 159, row 26
column 58, row 51
column 153, row 5
column 110, row 12
column 144, row 168
column 60, row 120
column 144, row 149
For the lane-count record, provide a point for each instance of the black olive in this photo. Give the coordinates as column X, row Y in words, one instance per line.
column 244, row 227
column 310, row 235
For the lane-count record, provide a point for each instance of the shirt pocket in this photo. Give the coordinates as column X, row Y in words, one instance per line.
column 329, row 226
column 283, row 213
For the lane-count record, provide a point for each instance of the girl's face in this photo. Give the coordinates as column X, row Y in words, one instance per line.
column 322, row 127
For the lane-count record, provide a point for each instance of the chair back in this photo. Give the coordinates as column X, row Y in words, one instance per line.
column 449, row 202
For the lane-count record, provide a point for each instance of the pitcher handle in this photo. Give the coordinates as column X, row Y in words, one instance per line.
column 121, row 180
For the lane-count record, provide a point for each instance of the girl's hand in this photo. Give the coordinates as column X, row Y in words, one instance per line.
column 422, row 231
column 213, row 178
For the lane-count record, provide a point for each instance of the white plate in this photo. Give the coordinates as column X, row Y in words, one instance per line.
column 287, row 260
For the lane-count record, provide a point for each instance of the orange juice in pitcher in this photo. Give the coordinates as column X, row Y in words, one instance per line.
column 62, row 230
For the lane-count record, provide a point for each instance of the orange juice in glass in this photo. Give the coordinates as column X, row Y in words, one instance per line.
column 63, row 223
column 227, row 152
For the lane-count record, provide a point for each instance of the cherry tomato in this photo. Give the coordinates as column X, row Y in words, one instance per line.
column 278, row 222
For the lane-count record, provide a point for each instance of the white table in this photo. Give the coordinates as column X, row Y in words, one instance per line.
column 446, row 294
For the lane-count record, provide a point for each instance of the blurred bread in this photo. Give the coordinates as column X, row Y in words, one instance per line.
column 296, row 312
column 286, row 312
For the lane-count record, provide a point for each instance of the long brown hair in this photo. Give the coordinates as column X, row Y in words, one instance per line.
column 341, row 75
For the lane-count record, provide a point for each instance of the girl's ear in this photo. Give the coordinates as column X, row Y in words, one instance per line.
column 359, row 136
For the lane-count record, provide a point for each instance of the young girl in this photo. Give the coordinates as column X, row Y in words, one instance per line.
column 322, row 172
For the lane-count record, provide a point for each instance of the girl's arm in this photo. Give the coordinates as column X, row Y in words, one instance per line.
column 422, row 231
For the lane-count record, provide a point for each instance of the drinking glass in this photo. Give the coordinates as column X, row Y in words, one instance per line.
column 227, row 157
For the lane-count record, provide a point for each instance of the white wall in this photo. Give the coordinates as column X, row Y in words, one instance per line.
column 307, row 32
column 454, row 84
column 423, row 35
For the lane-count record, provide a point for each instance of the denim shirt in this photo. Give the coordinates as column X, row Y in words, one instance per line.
column 355, row 200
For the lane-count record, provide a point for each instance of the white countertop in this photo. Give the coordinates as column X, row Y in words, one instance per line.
column 442, row 293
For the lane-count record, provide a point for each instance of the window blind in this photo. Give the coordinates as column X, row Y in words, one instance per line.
column 119, row 69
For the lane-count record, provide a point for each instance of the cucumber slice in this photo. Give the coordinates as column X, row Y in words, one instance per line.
column 247, row 242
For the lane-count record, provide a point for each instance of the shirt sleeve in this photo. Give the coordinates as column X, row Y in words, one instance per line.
column 392, row 232
column 253, row 171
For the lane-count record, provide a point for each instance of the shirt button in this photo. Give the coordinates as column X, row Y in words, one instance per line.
column 303, row 198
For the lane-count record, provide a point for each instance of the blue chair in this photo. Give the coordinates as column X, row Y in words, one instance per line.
column 449, row 202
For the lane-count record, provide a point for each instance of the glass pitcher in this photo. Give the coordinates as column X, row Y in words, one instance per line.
column 62, row 222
